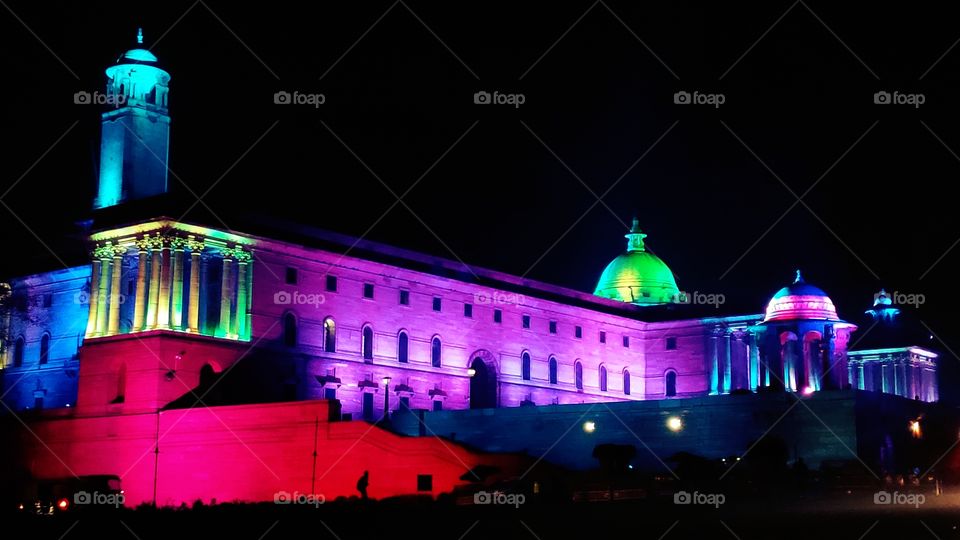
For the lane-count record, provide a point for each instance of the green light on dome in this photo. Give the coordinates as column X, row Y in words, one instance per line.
column 638, row 276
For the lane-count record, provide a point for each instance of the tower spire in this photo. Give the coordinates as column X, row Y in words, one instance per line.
column 799, row 278
column 635, row 237
column 139, row 36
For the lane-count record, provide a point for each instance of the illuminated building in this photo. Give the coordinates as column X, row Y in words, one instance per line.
column 169, row 321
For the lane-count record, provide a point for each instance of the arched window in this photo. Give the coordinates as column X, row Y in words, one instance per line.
column 121, row 384
column 435, row 352
column 403, row 347
column 366, row 343
column 670, row 383
column 44, row 348
column 626, row 382
column 578, row 375
column 603, row 378
column 553, row 370
column 289, row 330
column 329, row 335
column 525, row 365
column 18, row 352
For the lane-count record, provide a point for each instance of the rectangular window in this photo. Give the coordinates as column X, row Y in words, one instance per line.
column 404, row 403
column 578, row 332
column 671, row 343
column 424, row 482
column 291, row 276
column 368, row 406
column 331, row 283
column 404, row 297
column 48, row 300
column 526, row 321
column 437, row 305
column 626, row 341
column 603, row 337
column 468, row 310
column 368, row 290
column 329, row 393
column 497, row 316
column 553, row 327
column 437, row 405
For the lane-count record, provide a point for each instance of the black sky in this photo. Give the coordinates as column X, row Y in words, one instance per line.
column 399, row 81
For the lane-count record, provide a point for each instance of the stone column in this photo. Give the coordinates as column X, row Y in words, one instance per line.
column 226, row 294
column 103, row 253
column 239, row 325
column 155, row 264
column 92, row 299
column 176, row 302
column 116, row 297
column 714, row 362
column 163, row 301
column 139, row 302
column 193, row 310
column 727, row 362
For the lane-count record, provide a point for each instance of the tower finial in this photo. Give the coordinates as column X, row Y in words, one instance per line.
column 635, row 237
column 139, row 36
column 799, row 278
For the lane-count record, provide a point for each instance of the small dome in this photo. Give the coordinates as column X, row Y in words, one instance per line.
column 638, row 276
column 138, row 55
column 800, row 301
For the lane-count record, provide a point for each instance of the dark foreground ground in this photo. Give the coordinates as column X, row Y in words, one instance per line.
column 809, row 516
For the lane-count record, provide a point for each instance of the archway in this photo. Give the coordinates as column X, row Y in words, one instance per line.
column 483, row 383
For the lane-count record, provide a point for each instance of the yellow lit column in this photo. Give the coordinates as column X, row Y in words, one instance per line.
column 163, row 301
column 116, row 298
column 139, row 307
column 176, row 301
column 103, row 254
column 193, row 310
column 239, row 326
column 155, row 263
column 92, row 298
column 226, row 294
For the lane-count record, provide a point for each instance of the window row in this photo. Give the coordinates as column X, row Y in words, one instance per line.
column 554, row 367
column 290, row 339
column 20, row 346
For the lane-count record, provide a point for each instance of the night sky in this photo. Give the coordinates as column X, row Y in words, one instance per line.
column 515, row 188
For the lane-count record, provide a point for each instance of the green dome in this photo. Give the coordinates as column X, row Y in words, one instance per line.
column 638, row 276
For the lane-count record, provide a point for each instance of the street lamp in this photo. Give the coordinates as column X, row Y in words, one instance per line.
column 471, row 372
column 386, row 398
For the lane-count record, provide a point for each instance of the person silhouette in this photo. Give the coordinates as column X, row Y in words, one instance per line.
column 362, row 484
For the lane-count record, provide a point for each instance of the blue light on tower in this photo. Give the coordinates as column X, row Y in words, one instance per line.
column 136, row 131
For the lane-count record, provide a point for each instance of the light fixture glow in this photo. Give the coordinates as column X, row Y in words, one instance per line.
column 674, row 423
column 589, row 426
column 471, row 372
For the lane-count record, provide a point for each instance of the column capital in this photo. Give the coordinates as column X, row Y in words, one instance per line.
column 195, row 244
column 177, row 242
column 108, row 250
column 237, row 253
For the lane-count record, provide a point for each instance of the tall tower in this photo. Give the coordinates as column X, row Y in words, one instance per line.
column 135, row 131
